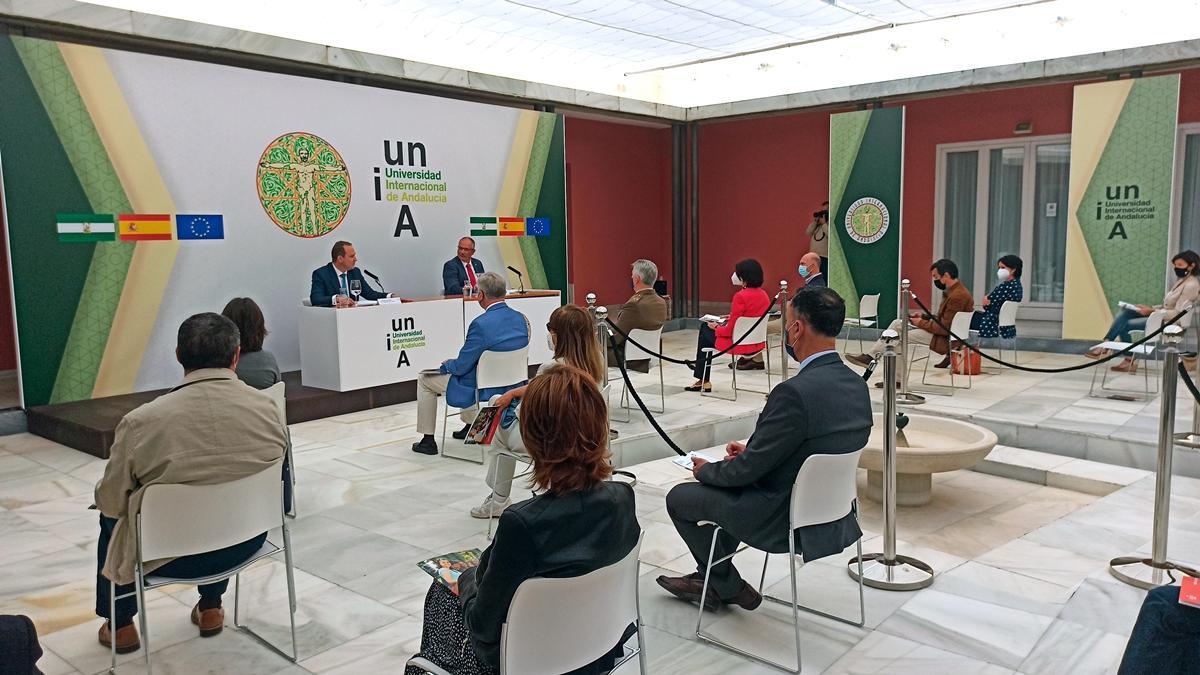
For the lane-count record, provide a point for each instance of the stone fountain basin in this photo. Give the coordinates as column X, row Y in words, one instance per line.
column 935, row 445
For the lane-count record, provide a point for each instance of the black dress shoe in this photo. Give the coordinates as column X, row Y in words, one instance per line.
column 425, row 446
column 461, row 433
column 747, row 598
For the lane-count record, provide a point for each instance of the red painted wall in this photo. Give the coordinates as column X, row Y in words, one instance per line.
column 618, row 203
column 761, row 178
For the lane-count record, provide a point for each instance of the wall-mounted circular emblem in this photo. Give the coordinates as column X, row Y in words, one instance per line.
column 303, row 185
column 867, row 220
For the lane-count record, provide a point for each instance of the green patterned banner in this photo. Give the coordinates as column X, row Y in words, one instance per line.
column 866, row 158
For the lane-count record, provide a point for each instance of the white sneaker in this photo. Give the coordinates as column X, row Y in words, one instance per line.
column 490, row 508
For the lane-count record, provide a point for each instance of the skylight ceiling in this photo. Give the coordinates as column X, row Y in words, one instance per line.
column 701, row 52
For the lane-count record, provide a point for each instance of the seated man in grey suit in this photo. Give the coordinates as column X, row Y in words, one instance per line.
column 823, row 409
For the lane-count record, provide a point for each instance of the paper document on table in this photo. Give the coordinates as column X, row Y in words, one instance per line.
column 366, row 303
column 390, row 301
column 713, row 318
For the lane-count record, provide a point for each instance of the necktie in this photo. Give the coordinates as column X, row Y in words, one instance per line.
column 471, row 275
column 345, row 288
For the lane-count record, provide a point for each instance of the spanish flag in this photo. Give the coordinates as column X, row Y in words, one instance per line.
column 512, row 227
column 144, row 226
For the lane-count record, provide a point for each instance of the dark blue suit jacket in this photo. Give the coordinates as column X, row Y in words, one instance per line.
column 499, row 329
column 325, row 285
column 454, row 275
column 816, row 281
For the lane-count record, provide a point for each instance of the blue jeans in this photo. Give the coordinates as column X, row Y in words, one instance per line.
column 1165, row 638
column 1126, row 321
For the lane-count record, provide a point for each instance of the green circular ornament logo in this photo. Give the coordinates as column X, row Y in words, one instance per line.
column 303, row 185
column 867, row 220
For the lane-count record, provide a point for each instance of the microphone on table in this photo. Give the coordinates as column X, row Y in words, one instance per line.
column 377, row 281
column 520, row 278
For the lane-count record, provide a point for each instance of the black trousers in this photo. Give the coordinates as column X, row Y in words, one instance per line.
column 690, row 503
column 199, row 565
column 707, row 339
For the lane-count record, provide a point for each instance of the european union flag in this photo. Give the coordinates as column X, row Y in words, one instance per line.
column 537, row 227
column 200, row 226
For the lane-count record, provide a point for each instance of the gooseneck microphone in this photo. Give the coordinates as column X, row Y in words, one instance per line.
column 520, row 278
column 377, row 281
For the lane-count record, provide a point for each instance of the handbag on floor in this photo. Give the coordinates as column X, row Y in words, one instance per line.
column 966, row 361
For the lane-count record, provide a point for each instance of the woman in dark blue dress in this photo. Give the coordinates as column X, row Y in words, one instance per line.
column 986, row 320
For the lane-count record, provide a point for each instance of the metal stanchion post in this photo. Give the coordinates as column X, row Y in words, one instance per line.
column 591, row 302
column 1148, row 572
column 603, row 333
column 905, row 397
column 1191, row 438
column 783, row 356
column 888, row 570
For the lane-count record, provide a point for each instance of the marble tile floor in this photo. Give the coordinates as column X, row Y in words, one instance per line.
column 1022, row 584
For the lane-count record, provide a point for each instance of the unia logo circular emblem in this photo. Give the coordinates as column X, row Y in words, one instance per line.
column 867, row 220
column 303, row 185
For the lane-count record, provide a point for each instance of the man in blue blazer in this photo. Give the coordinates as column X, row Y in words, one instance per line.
column 499, row 329
column 331, row 283
column 455, row 272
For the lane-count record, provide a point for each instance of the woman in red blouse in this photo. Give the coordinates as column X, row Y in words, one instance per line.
column 750, row 301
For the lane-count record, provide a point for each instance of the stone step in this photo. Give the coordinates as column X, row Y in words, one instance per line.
column 1043, row 468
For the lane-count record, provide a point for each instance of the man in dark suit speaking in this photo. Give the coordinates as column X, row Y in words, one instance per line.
column 461, row 269
column 823, row 409
column 331, row 283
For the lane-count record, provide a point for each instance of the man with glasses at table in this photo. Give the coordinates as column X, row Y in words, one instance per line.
column 461, row 270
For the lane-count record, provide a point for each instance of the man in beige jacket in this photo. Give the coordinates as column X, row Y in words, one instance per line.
column 210, row 429
column 645, row 310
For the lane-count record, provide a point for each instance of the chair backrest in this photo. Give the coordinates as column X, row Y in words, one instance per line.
column 179, row 520
column 1008, row 314
column 558, row 625
column 868, row 306
column 502, row 369
column 742, row 327
column 276, row 392
column 1153, row 323
column 960, row 325
column 825, row 489
column 647, row 338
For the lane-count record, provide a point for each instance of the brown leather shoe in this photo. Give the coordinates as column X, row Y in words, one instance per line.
column 688, row 588
column 1126, row 366
column 127, row 638
column 210, row 621
column 750, row 364
column 747, row 598
column 863, row 360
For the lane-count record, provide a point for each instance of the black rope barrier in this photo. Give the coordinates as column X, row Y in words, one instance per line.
column 1187, row 381
column 646, row 411
column 1064, row 369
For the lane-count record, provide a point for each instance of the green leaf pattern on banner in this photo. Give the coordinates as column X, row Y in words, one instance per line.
column 846, row 132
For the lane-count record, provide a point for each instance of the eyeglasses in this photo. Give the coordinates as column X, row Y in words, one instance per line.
column 464, row 248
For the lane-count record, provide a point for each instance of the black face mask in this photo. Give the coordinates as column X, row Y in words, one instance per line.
column 1181, row 273
column 939, row 284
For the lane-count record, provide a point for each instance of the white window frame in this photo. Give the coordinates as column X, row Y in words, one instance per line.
column 1029, row 310
column 1181, row 134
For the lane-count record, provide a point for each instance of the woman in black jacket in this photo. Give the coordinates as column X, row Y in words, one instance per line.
column 578, row 523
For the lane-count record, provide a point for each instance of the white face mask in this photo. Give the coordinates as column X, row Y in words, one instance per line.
column 550, row 342
column 1002, row 274
column 735, row 280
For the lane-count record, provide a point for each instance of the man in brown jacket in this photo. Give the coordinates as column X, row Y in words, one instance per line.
column 955, row 298
column 646, row 310
column 211, row 428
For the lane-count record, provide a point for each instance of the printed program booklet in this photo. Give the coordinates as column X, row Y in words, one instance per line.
column 1189, row 591
column 448, row 567
column 483, row 429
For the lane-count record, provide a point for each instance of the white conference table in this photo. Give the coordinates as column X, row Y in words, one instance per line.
column 359, row 347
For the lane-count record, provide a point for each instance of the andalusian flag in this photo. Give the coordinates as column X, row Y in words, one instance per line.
column 512, row 227
column 485, row 224
column 84, row 227
column 145, row 226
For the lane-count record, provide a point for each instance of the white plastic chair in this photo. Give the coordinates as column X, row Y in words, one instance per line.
column 494, row 370
column 1008, row 319
column 306, row 302
column 825, row 490
column 652, row 339
column 744, row 326
column 868, row 315
column 276, row 392
column 960, row 325
column 1147, row 353
column 558, row 625
column 181, row 520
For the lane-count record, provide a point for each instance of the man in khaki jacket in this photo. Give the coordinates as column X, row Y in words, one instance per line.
column 646, row 310
column 210, row 429
column 924, row 330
